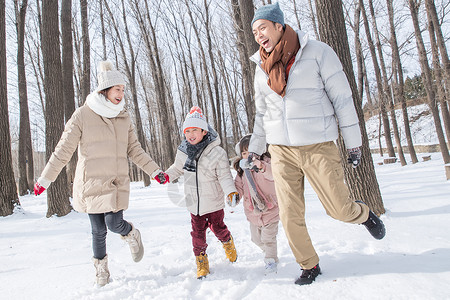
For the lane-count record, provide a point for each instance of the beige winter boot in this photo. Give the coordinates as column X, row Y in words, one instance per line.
column 202, row 265
column 133, row 238
column 102, row 272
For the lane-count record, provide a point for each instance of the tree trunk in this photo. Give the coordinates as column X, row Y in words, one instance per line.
column 398, row 82
column 386, row 89
column 431, row 9
column 247, row 67
column 102, row 25
column 86, row 75
column 218, row 124
column 67, row 77
column 362, row 181
column 57, row 193
column 438, row 80
column 145, row 24
column 26, row 165
column 297, row 18
column 426, row 75
column 8, row 190
column 381, row 95
column 131, row 71
column 205, row 67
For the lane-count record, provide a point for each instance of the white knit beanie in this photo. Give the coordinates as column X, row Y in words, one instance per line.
column 108, row 76
column 195, row 118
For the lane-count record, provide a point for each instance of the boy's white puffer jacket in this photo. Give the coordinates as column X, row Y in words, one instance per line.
column 317, row 94
column 205, row 189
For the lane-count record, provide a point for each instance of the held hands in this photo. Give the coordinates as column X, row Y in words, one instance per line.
column 162, row 178
column 233, row 199
column 354, row 156
column 38, row 189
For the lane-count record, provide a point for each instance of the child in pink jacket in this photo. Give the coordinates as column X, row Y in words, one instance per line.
column 260, row 203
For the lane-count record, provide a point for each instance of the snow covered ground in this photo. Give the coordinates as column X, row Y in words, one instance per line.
column 50, row 258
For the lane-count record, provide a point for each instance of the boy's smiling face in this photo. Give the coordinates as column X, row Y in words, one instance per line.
column 194, row 135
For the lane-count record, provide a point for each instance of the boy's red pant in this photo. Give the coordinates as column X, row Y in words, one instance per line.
column 213, row 221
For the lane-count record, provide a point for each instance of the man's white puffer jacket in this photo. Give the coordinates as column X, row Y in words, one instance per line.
column 317, row 93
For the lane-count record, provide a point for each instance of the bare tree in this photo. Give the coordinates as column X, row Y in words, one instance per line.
column 438, row 76
column 386, row 88
column 26, row 165
column 431, row 10
column 86, row 73
column 362, row 181
column 148, row 33
column 398, row 82
column 426, row 75
column 379, row 80
column 67, row 76
column 58, row 194
column 8, row 192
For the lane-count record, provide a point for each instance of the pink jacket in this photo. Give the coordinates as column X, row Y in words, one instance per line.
column 266, row 185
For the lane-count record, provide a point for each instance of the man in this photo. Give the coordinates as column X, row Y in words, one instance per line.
column 300, row 91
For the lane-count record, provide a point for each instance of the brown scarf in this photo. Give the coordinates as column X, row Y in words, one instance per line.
column 274, row 63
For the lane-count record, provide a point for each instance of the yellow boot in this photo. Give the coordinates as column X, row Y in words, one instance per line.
column 230, row 250
column 202, row 265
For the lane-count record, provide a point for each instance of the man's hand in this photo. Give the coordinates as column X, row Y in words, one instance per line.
column 252, row 158
column 38, row 189
column 354, row 156
column 162, row 178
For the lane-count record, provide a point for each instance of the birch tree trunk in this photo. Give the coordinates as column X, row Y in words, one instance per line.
column 8, row 191
column 362, row 181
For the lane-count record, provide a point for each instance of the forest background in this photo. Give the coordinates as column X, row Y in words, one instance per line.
column 176, row 54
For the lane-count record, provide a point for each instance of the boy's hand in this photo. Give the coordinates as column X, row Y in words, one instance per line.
column 162, row 178
column 233, row 199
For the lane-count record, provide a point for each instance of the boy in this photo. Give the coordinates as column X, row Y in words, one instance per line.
column 207, row 176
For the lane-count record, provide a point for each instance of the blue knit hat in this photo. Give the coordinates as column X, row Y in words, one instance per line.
column 271, row 12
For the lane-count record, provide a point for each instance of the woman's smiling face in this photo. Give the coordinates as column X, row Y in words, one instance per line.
column 115, row 94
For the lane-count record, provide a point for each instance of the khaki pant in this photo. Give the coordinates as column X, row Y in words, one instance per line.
column 265, row 237
column 320, row 163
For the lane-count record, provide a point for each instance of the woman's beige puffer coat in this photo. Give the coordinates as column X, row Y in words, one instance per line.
column 101, row 183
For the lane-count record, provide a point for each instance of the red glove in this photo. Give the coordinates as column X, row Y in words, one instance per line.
column 162, row 178
column 38, row 189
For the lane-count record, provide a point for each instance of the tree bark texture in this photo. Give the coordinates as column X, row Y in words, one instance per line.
column 57, row 193
column 8, row 191
column 26, row 165
column 362, row 181
column 67, row 77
